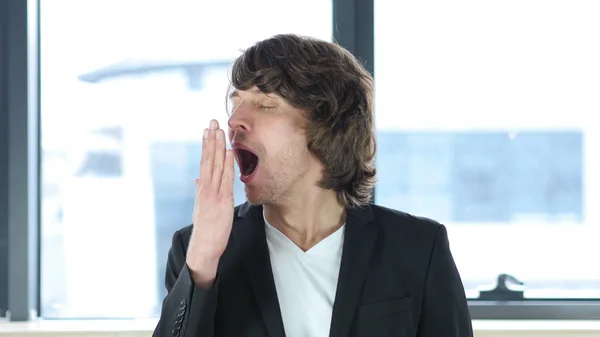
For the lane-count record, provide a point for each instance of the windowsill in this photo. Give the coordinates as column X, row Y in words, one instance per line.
column 98, row 327
column 134, row 328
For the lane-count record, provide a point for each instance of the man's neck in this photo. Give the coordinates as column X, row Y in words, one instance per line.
column 308, row 219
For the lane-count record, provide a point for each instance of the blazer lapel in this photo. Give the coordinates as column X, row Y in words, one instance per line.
column 249, row 232
column 359, row 240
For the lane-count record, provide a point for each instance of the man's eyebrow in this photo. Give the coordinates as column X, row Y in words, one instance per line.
column 270, row 96
column 236, row 93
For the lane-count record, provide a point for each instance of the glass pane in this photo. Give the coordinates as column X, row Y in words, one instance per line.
column 486, row 123
column 127, row 88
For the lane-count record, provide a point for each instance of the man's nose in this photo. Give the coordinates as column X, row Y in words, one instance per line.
column 239, row 121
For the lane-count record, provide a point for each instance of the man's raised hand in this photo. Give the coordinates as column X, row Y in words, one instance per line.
column 213, row 208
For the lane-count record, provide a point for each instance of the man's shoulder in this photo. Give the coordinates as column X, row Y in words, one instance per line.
column 405, row 224
column 397, row 217
column 406, row 236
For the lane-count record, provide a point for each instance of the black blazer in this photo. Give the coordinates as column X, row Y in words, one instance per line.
column 397, row 278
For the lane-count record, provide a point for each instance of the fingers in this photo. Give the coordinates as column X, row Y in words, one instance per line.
column 216, row 164
column 217, row 173
column 208, row 153
column 226, row 188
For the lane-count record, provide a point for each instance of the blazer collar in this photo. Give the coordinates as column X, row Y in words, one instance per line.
column 359, row 239
column 249, row 233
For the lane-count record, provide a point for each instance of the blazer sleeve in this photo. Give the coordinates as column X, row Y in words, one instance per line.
column 187, row 310
column 445, row 310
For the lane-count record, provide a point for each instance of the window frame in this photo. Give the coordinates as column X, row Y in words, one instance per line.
column 19, row 87
column 353, row 28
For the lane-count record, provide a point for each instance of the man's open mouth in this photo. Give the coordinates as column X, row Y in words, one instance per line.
column 247, row 161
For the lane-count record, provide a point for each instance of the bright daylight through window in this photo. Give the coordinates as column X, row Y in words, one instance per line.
column 486, row 117
column 484, row 111
column 125, row 97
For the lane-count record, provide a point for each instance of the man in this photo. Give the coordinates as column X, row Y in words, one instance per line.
column 306, row 255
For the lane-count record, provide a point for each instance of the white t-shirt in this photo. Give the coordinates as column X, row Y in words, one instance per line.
column 306, row 282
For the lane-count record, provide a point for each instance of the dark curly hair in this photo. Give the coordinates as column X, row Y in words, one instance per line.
column 335, row 90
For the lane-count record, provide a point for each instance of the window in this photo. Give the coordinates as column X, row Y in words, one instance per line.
column 486, row 122
column 126, row 89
